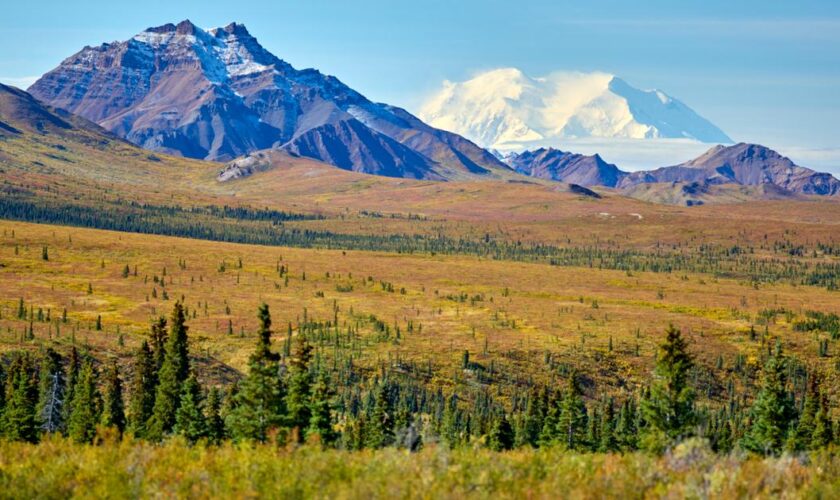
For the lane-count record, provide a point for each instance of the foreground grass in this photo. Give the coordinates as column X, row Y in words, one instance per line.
column 60, row 469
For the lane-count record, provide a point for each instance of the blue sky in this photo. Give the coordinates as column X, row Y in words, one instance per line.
column 764, row 71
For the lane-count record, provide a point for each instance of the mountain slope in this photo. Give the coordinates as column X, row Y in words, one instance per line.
column 506, row 109
column 743, row 164
column 561, row 166
column 218, row 94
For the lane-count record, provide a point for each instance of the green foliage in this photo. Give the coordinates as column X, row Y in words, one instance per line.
column 259, row 403
column 190, row 421
column 669, row 409
column 87, row 406
column 772, row 412
column 173, row 373
column 142, row 390
column 113, row 411
column 51, row 393
column 19, row 419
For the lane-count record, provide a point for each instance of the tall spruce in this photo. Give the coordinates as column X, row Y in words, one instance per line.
column 158, row 335
column 142, row 400
column 668, row 411
column 320, row 411
column 259, row 403
column 803, row 434
column 213, row 413
column 87, row 405
column 379, row 429
column 20, row 420
column 113, row 406
column 173, row 372
column 73, row 366
column 572, row 421
column 190, row 421
column 299, row 390
column 772, row 412
column 51, row 393
column 501, row 435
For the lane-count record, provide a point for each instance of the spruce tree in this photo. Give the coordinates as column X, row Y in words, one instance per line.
column 20, row 421
column 669, row 409
column 51, row 393
column 549, row 433
column 158, row 335
column 772, row 412
column 320, row 411
column 259, row 403
column 823, row 434
column 73, row 367
column 86, row 406
column 299, row 390
column 213, row 410
column 571, row 424
column 501, row 436
column 803, row 434
column 190, row 421
column 379, row 429
column 142, row 400
column 113, row 406
column 173, row 373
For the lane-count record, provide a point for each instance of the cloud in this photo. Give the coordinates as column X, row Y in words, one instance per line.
column 21, row 82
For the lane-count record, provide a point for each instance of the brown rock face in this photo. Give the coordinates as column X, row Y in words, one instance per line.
column 572, row 168
column 218, row 95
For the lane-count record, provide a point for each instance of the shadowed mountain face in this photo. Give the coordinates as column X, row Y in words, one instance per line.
column 744, row 164
column 218, row 95
column 557, row 165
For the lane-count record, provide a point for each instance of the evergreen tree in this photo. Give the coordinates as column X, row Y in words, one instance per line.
column 215, row 423
column 73, row 367
column 158, row 335
column 772, row 412
column 803, row 434
column 190, row 421
column 113, row 407
column 320, row 411
column 86, row 406
column 142, row 391
column 669, row 409
column 823, row 433
column 297, row 398
column 501, row 435
column 571, row 424
column 20, row 421
column 379, row 429
column 607, row 441
column 549, row 434
column 625, row 430
column 171, row 377
column 51, row 393
column 259, row 403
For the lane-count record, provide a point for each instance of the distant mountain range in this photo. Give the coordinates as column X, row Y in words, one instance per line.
column 741, row 164
column 218, row 94
column 508, row 110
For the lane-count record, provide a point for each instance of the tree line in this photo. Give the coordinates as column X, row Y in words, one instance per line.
column 293, row 395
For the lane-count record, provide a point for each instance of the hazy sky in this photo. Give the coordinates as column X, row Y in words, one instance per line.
column 764, row 71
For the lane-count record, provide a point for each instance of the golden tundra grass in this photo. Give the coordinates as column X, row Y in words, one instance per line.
column 532, row 308
column 57, row 468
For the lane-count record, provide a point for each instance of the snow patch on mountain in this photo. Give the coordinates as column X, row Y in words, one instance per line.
column 506, row 109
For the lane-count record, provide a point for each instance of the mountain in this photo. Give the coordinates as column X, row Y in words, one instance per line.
column 218, row 94
column 557, row 165
column 742, row 164
column 506, row 109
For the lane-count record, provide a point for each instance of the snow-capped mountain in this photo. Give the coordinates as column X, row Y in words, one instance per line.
column 506, row 109
column 218, row 94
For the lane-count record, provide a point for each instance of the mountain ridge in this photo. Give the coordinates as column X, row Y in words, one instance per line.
column 218, row 94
